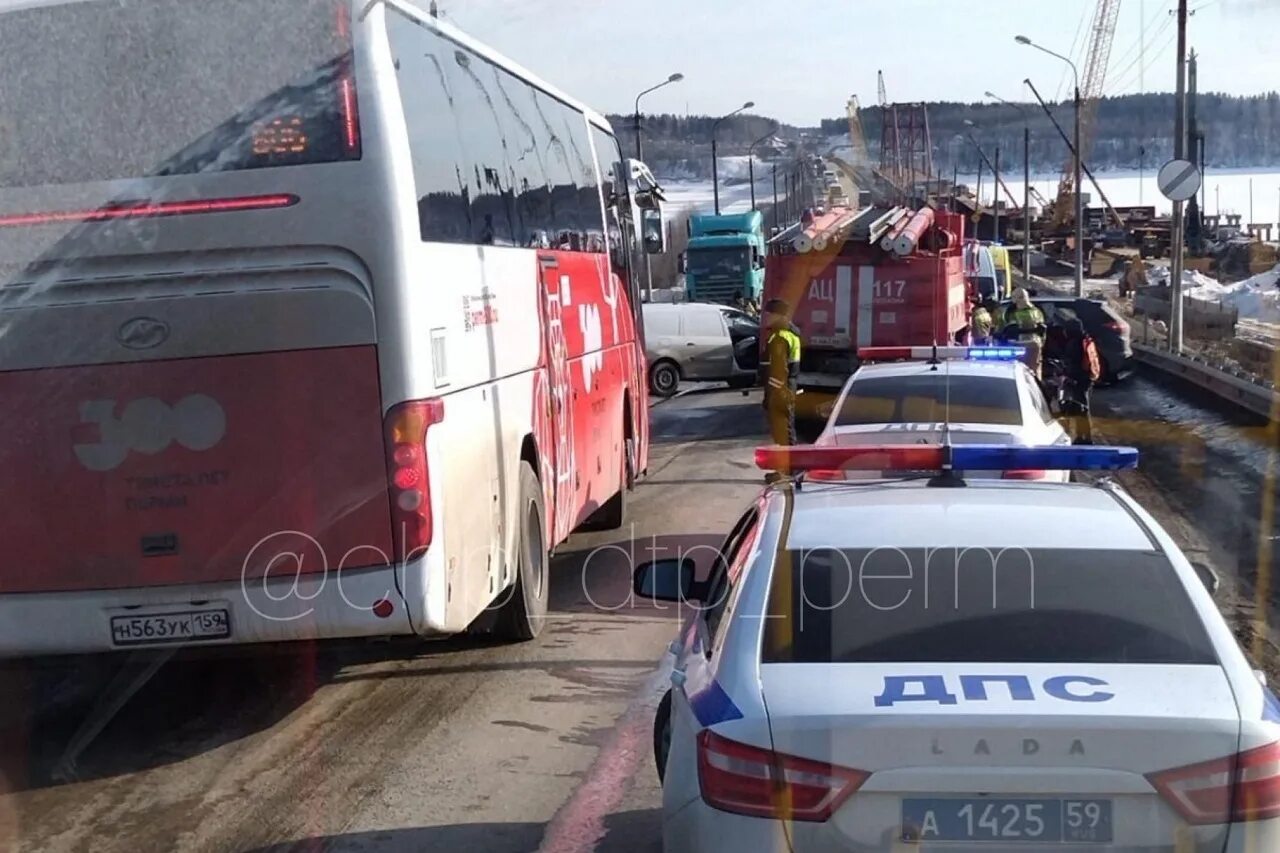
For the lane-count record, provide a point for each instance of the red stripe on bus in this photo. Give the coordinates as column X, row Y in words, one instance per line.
column 150, row 209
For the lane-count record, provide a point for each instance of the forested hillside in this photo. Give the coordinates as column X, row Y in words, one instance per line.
column 1130, row 130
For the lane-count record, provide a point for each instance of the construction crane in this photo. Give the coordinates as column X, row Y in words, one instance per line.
column 906, row 150
column 856, row 137
column 1101, row 34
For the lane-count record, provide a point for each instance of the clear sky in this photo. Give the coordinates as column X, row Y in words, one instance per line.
column 799, row 60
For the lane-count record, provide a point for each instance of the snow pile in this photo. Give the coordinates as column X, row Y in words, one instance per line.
column 1255, row 298
column 1191, row 280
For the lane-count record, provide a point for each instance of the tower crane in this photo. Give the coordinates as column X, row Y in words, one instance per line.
column 1101, row 34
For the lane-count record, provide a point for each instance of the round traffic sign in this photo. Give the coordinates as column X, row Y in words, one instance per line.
column 1178, row 180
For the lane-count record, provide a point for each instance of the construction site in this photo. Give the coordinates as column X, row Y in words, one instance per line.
column 895, row 212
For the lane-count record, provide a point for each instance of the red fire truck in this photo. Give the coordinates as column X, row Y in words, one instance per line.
column 874, row 277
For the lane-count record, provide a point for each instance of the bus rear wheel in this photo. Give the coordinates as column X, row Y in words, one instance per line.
column 524, row 614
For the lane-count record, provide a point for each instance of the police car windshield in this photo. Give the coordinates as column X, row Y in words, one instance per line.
column 1011, row 605
column 924, row 399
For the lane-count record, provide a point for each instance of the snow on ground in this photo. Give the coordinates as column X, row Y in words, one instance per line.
column 735, row 194
column 1256, row 298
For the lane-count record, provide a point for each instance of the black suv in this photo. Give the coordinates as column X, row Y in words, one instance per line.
column 1102, row 322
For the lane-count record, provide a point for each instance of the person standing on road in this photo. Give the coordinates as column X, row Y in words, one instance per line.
column 980, row 324
column 780, row 370
column 1085, row 368
column 1030, row 327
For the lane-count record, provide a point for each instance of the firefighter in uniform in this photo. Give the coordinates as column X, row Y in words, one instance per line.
column 1030, row 331
column 980, row 324
column 780, row 369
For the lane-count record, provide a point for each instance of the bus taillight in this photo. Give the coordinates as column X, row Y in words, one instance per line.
column 408, row 476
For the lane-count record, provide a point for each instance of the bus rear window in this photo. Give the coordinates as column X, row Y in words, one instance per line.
column 114, row 89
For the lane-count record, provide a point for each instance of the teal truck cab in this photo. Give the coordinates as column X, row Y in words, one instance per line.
column 725, row 259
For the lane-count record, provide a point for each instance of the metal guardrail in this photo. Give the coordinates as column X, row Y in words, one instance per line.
column 1244, row 390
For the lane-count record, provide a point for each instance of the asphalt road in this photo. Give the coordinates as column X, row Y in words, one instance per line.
column 461, row 745
column 393, row 746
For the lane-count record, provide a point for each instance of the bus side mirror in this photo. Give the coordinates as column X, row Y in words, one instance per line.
column 655, row 242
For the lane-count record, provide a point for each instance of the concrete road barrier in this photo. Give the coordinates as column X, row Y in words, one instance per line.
column 1255, row 395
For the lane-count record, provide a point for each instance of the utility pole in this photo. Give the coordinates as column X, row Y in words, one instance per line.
column 1142, row 90
column 1026, row 197
column 775, row 194
column 955, row 177
column 1179, row 152
column 995, row 198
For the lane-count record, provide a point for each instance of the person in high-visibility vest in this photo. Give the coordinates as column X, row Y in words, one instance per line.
column 980, row 324
column 1024, row 323
column 780, row 369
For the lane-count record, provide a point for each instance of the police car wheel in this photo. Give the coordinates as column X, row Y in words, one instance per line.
column 662, row 735
column 523, row 611
column 664, row 379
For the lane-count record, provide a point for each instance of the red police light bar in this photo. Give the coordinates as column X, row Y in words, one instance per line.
column 871, row 457
column 146, row 210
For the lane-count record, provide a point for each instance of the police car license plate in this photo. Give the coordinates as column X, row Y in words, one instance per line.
column 186, row 626
column 1004, row 820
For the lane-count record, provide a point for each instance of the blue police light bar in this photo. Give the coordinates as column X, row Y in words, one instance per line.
column 935, row 457
column 996, row 353
column 1008, row 457
column 992, row 353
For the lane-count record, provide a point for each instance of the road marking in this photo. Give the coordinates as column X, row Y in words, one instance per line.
column 578, row 826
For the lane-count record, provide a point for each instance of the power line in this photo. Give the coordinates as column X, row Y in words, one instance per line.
column 1157, row 55
column 1138, row 42
column 1127, row 77
column 1062, row 81
column 1124, row 73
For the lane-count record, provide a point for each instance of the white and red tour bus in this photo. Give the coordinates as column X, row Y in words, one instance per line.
column 316, row 320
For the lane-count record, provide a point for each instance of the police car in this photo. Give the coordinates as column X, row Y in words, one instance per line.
column 895, row 665
column 975, row 395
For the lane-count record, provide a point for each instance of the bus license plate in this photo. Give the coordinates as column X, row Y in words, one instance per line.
column 186, row 626
column 1002, row 820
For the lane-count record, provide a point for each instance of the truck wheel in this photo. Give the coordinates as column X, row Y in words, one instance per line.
column 664, row 379
column 524, row 614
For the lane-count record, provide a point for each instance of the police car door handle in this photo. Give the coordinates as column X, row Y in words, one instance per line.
column 690, row 344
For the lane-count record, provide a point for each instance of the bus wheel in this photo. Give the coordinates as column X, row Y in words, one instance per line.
column 524, row 614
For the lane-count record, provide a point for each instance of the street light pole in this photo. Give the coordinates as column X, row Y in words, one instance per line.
column 674, row 78
column 775, row 195
column 1079, row 157
column 1026, row 183
column 715, row 159
column 751, row 162
column 648, row 261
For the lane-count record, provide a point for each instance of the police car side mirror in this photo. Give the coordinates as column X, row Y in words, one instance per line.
column 1208, row 577
column 666, row 580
